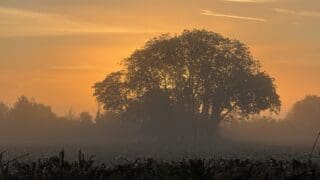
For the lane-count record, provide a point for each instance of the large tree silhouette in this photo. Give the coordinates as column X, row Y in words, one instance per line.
column 203, row 73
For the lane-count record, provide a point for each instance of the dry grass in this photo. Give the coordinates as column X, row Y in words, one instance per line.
column 56, row 167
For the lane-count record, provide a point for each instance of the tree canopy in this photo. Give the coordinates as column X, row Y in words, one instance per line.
column 306, row 110
column 199, row 72
column 27, row 111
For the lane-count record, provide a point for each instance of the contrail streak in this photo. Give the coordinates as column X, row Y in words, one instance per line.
column 210, row 13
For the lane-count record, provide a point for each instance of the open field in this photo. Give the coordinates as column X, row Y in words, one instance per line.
column 109, row 152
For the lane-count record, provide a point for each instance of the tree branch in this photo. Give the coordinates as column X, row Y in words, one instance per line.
column 228, row 112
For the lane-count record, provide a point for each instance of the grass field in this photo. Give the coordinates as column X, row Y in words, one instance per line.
column 110, row 161
column 56, row 167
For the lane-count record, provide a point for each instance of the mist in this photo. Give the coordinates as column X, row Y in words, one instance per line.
column 32, row 126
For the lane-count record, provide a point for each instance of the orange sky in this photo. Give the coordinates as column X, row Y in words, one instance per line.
column 54, row 50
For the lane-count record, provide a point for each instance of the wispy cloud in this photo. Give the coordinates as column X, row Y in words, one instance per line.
column 210, row 13
column 43, row 23
column 22, row 13
column 34, row 17
column 298, row 13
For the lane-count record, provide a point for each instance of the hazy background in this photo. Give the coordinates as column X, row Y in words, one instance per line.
column 54, row 50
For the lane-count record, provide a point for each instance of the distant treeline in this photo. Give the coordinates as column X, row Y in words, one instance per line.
column 30, row 121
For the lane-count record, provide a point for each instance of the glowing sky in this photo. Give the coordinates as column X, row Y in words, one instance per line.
column 54, row 50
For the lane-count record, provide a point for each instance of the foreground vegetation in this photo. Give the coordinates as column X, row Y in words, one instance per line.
column 56, row 167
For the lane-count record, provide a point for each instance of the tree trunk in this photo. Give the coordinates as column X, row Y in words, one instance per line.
column 205, row 109
column 216, row 116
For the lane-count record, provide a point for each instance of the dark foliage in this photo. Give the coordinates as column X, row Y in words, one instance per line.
column 306, row 111
column 200, row 73
column 56, row 167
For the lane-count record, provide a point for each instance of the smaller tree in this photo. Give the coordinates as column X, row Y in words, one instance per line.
column 306, row 113
column 86, row 118
column 29, row 112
